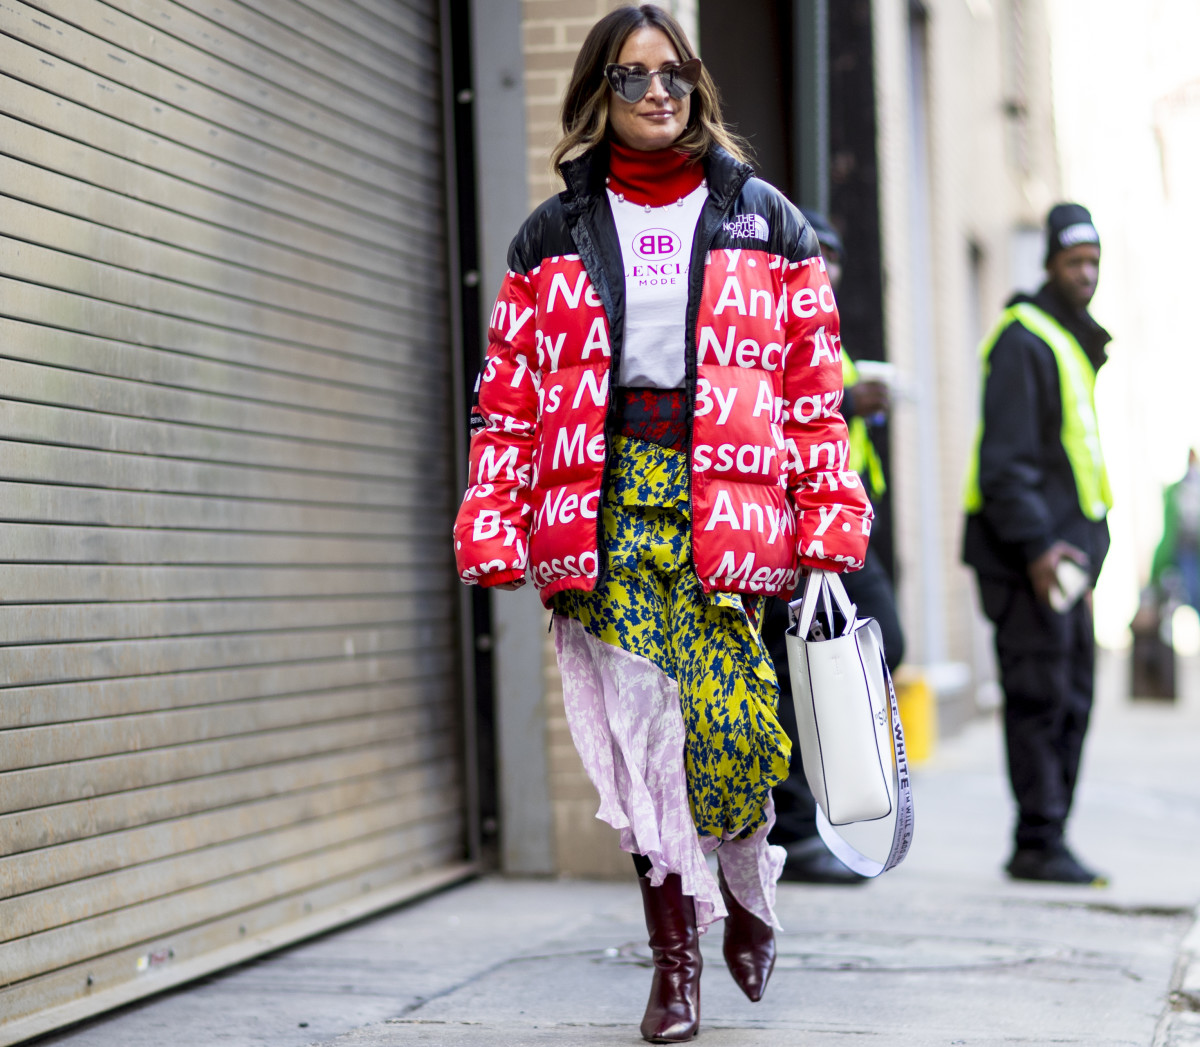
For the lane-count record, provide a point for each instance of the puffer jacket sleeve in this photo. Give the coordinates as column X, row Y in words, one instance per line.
column 833, row 513
column 491, row 532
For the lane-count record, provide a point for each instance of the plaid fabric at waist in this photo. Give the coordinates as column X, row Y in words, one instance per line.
column 658, row 416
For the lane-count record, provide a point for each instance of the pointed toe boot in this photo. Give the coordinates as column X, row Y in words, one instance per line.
column 749, row 946
column 673, row 1011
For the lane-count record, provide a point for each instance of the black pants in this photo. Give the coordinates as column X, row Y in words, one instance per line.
column 871, row 591
column 1047, row 665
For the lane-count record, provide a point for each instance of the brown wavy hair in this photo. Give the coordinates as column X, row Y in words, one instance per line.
column 585, row 105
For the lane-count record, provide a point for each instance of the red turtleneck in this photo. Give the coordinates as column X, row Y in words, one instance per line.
column 656, row 178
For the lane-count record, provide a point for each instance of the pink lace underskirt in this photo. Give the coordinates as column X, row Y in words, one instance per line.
column 625, row 719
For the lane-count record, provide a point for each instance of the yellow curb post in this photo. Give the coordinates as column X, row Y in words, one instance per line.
column 918, row 712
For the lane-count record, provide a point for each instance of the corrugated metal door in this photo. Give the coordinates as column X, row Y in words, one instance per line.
column 229, row 710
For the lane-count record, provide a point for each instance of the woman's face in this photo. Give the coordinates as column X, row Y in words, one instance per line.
column 657, row 120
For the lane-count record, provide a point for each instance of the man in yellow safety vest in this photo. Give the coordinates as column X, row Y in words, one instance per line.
column 1036, row 534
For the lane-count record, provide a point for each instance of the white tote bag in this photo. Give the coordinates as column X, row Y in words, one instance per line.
column 851, row 739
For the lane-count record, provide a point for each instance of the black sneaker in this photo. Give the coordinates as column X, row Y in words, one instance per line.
column 1052, row 865
column 810, row 861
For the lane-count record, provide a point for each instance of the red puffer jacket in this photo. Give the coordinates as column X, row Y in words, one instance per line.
column 770, row 485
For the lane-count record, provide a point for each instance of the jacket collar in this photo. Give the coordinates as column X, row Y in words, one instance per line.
column 726, row 176
column 585, row 178
column 1091, row 337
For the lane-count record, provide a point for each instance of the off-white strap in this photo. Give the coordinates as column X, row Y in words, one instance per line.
column 903, row 830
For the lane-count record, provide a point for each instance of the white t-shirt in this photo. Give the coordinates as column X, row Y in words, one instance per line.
column 656, row 249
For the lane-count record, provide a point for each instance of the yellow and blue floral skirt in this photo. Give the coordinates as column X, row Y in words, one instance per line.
column 670, row 693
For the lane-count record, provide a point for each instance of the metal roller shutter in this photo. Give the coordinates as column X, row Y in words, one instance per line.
column 228, row 690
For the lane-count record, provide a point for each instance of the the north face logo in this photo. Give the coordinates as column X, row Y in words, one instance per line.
column 747, row 226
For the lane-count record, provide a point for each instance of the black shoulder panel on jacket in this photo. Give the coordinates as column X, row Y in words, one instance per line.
column 542, row 235
column 762, row 218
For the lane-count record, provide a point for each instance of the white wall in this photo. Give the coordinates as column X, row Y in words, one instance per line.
column 1130, row 148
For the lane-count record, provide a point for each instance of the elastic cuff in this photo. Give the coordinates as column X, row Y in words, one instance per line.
column 514, row 574
column 837, row 566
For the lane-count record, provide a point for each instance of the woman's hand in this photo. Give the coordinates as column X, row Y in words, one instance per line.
column 510, row 586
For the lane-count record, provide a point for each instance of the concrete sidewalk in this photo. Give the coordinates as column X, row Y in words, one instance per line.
column 943, row 950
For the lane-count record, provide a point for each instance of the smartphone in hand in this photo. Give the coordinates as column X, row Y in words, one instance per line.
column 1071, row 582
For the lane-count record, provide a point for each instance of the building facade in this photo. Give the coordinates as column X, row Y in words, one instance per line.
column 968, row 169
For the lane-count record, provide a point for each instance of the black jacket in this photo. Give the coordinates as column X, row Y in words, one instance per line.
column 1029, row 494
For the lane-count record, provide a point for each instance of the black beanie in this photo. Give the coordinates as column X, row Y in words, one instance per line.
column 827, row 236
column 1068, row 225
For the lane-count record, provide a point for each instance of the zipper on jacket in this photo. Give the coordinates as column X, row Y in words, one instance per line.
column 589, row 252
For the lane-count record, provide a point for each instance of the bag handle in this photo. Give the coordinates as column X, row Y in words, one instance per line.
column 819, row 587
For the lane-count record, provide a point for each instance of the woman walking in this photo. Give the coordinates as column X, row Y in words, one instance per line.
column 658, row 447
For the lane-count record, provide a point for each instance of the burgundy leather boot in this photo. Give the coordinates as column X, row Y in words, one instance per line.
column 673, row 1011
column 749, row 945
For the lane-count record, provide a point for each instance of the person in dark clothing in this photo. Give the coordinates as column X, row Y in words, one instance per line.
column 1037, row 501
column 808, row 859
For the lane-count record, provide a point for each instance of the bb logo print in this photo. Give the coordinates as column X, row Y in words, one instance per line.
column 747, row 226
column 656, row 245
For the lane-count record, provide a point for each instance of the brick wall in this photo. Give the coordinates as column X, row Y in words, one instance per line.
column 553, row 31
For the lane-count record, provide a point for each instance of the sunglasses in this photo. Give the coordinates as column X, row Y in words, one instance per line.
column 631, row 82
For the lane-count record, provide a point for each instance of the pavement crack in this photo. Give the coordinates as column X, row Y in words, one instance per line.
column 485, row 972
column 432, row 1021
column 1158, row 912
column 471, row 979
